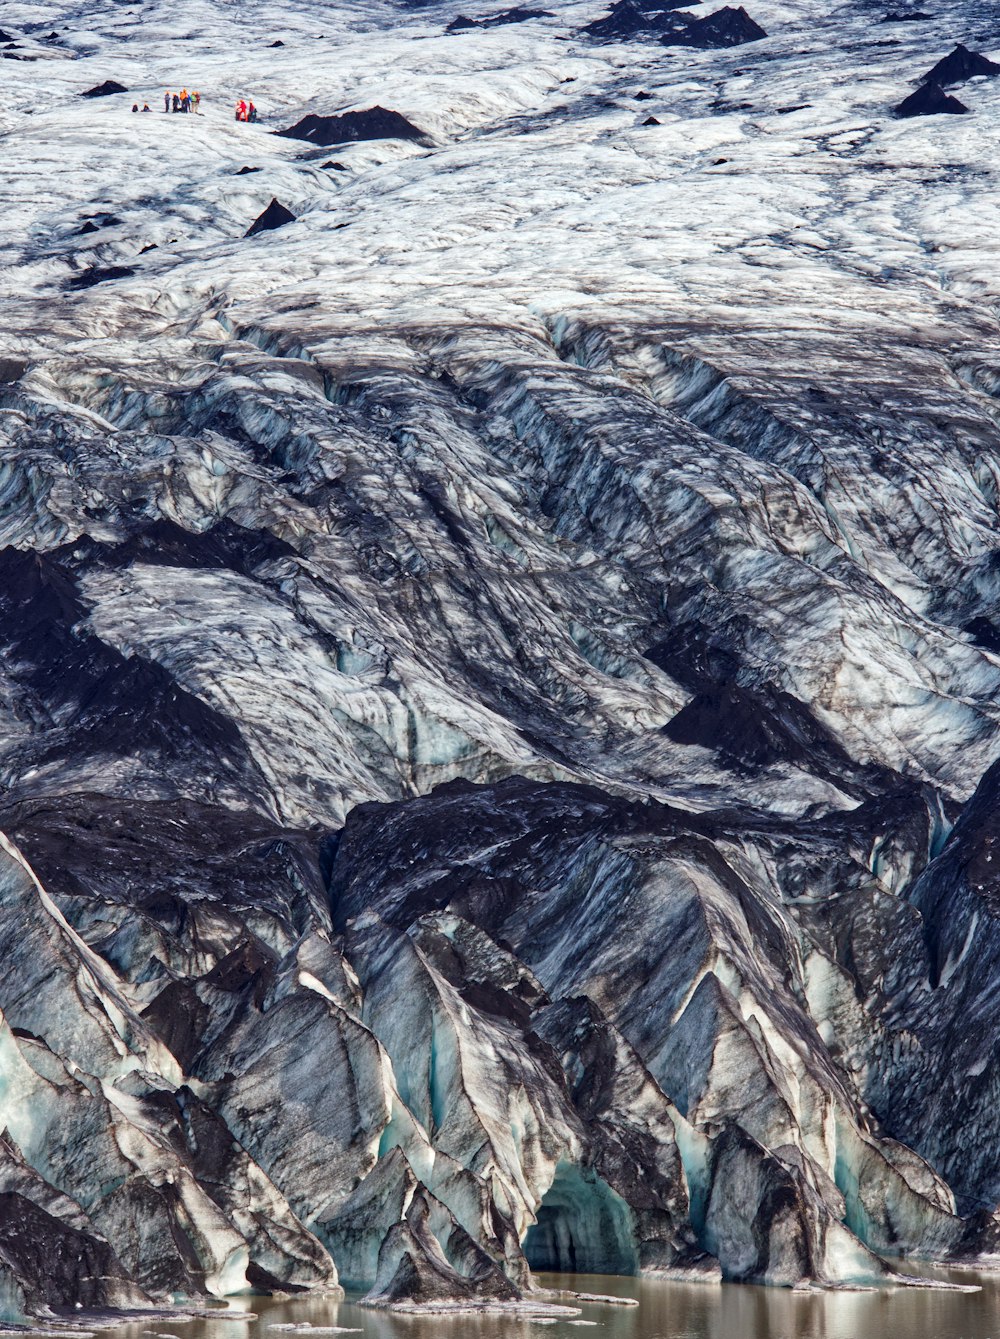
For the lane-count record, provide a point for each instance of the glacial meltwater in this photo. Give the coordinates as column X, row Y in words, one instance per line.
column 666, row 1310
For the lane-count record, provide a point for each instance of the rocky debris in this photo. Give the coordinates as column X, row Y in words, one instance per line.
column 100, row 274
column 910, row 16
column 245, row 171
column 652, row 121
column 959, row 66
column 984, row 632
column 930, row 100
column 97, row 222
column 726, row 27
column 756, row 728
column 274, row 216
column 637, row 18
column 634, row 18
column 104, row 90
column 375, row 123
column 515, row 15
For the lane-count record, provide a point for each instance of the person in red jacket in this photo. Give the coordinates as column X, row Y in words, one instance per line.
column 241, row 110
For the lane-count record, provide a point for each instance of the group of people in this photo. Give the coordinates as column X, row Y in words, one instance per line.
column 182, row 102
column 191, row 102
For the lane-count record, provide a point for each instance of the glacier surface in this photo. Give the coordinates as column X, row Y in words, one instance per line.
column 499, row 721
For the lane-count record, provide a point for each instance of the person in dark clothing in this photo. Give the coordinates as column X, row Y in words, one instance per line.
column 175, row 100
column 135, row 106
column 146, row 107
column 251, row 112
column 166, row 102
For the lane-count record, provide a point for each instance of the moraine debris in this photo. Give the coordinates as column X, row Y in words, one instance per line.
column 930, row 100
column 274, row 216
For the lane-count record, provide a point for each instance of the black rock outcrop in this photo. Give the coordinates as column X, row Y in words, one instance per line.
column 375, row 123
column 725, row 28
column 98, row 274
column 274, row 216
column 634, row 18
column 960, row 65
column 515, row 15
column 930, row 100
column 104, row 90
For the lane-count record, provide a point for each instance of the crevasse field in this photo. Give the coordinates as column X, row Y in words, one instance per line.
column 498, row 676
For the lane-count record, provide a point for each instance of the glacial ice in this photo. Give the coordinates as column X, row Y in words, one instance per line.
column 498, row 681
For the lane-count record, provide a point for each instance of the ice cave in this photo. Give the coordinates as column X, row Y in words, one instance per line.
column 582, row 1227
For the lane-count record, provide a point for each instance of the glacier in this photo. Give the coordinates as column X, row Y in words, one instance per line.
column 499, row 723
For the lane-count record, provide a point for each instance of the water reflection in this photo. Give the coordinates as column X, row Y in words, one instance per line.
column 665, row 1311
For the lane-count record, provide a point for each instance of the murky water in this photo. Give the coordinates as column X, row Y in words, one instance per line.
column 665, row 1311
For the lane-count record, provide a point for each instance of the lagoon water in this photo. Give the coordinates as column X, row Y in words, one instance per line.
column 666, row 1310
